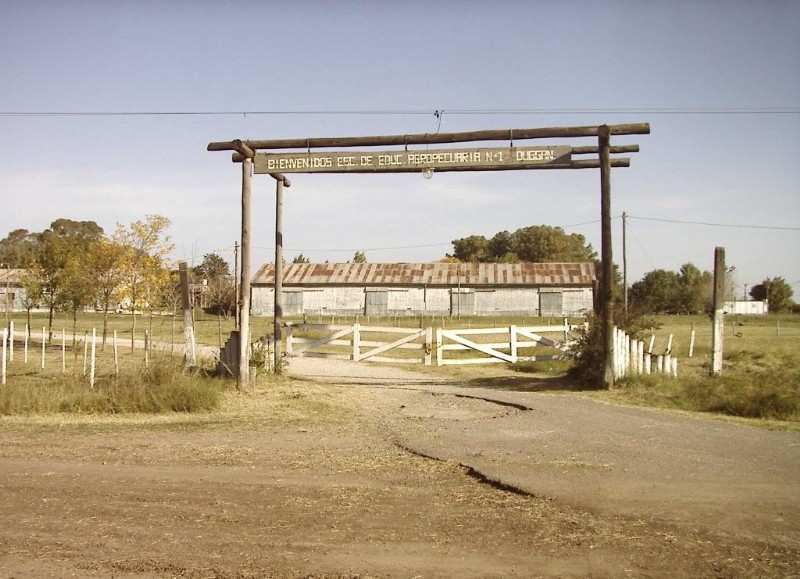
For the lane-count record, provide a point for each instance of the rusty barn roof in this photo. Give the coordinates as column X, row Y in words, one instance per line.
column 431, row 274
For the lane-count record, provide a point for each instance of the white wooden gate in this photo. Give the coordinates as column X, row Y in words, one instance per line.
column 487, row 341
column 350, row 343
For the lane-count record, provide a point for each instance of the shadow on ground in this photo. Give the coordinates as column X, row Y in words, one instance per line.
column 527, row 383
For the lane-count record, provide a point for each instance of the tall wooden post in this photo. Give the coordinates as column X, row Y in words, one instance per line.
column 244, row 287
column 236, row 285
column 625, row 262
column 606, row 283
column 278, row 316
column 187, row 315
column 719, row 305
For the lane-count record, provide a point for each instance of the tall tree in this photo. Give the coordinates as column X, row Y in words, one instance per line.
column 543, row 244
column 359, row 257
column 474, row 248
column 538, row 243
column 212, row 268
column 658, row 292
column 108, row 274
column 695, row 289
column 61, row 251
column 501, row 249
column 18, row 249
column 301, row 259
column 776, row 291
column 147, row 246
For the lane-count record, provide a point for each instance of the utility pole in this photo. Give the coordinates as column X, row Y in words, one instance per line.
column 606, row 256
column 625, row 262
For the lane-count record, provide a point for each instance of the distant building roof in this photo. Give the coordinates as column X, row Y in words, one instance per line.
column 11, row 277
column 431, row 274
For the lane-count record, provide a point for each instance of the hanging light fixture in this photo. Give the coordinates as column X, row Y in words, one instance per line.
column 427, row 173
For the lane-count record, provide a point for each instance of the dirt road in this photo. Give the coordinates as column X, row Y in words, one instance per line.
column 364, row 471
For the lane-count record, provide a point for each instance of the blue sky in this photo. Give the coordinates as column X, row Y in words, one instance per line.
column 719, row 83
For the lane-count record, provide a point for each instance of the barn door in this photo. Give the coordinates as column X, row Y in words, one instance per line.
column 462, row 302
column 377, row 303
column 293, row 303
column 551, row 303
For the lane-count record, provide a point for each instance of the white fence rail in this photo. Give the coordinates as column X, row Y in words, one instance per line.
column 505, row 347
column 357, row 346
column 489, row 345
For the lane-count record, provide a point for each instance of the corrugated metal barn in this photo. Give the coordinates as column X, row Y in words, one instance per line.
column 533, row 289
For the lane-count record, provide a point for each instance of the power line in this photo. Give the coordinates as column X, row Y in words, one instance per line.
column 740, row 226
column 442, row 244
column 412, row 112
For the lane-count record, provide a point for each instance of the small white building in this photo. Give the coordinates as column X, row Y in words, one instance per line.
column 531, row 289
column 757, row 308
column 12, row 293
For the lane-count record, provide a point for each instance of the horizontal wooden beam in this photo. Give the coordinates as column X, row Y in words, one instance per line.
column 281, row 177
column 614, row 149
column 245, row 151
column 510, row 135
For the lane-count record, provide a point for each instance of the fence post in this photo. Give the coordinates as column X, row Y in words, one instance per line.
column 116, row 359
column 92, row 364
column 86, row 349
column 512, row 340
column 660, row 364
column 428, row 345
column 63, row 351
column 356, row 342
column 11, row 341
column 691, row 344
column 44, row 342
column 438, row 346
column 289, row 349
column 25, row 351
column 648, row 363
column 3, row 372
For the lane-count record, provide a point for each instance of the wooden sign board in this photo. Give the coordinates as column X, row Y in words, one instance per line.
column 482, row 159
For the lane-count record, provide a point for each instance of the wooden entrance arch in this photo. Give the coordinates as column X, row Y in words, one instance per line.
column 253, row 154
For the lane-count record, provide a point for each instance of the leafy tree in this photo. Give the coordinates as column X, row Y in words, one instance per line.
column 500, row 247
column 18, row 249
column 658, row 292
column 59, row 263
column 359, row 257
column 542, row 244
column 78, row 290
column 301, row 259
column 108, row 274
column 212, row 268
column 776, row 291
column 146, row 247
column 695, row 289
column 474, row 248
column 539, row 244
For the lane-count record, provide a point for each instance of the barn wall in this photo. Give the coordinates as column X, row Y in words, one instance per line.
column 577, row 301
column 351, row 301
column 507, row 301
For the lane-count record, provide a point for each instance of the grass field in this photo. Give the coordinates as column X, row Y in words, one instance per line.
column 760, row 378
